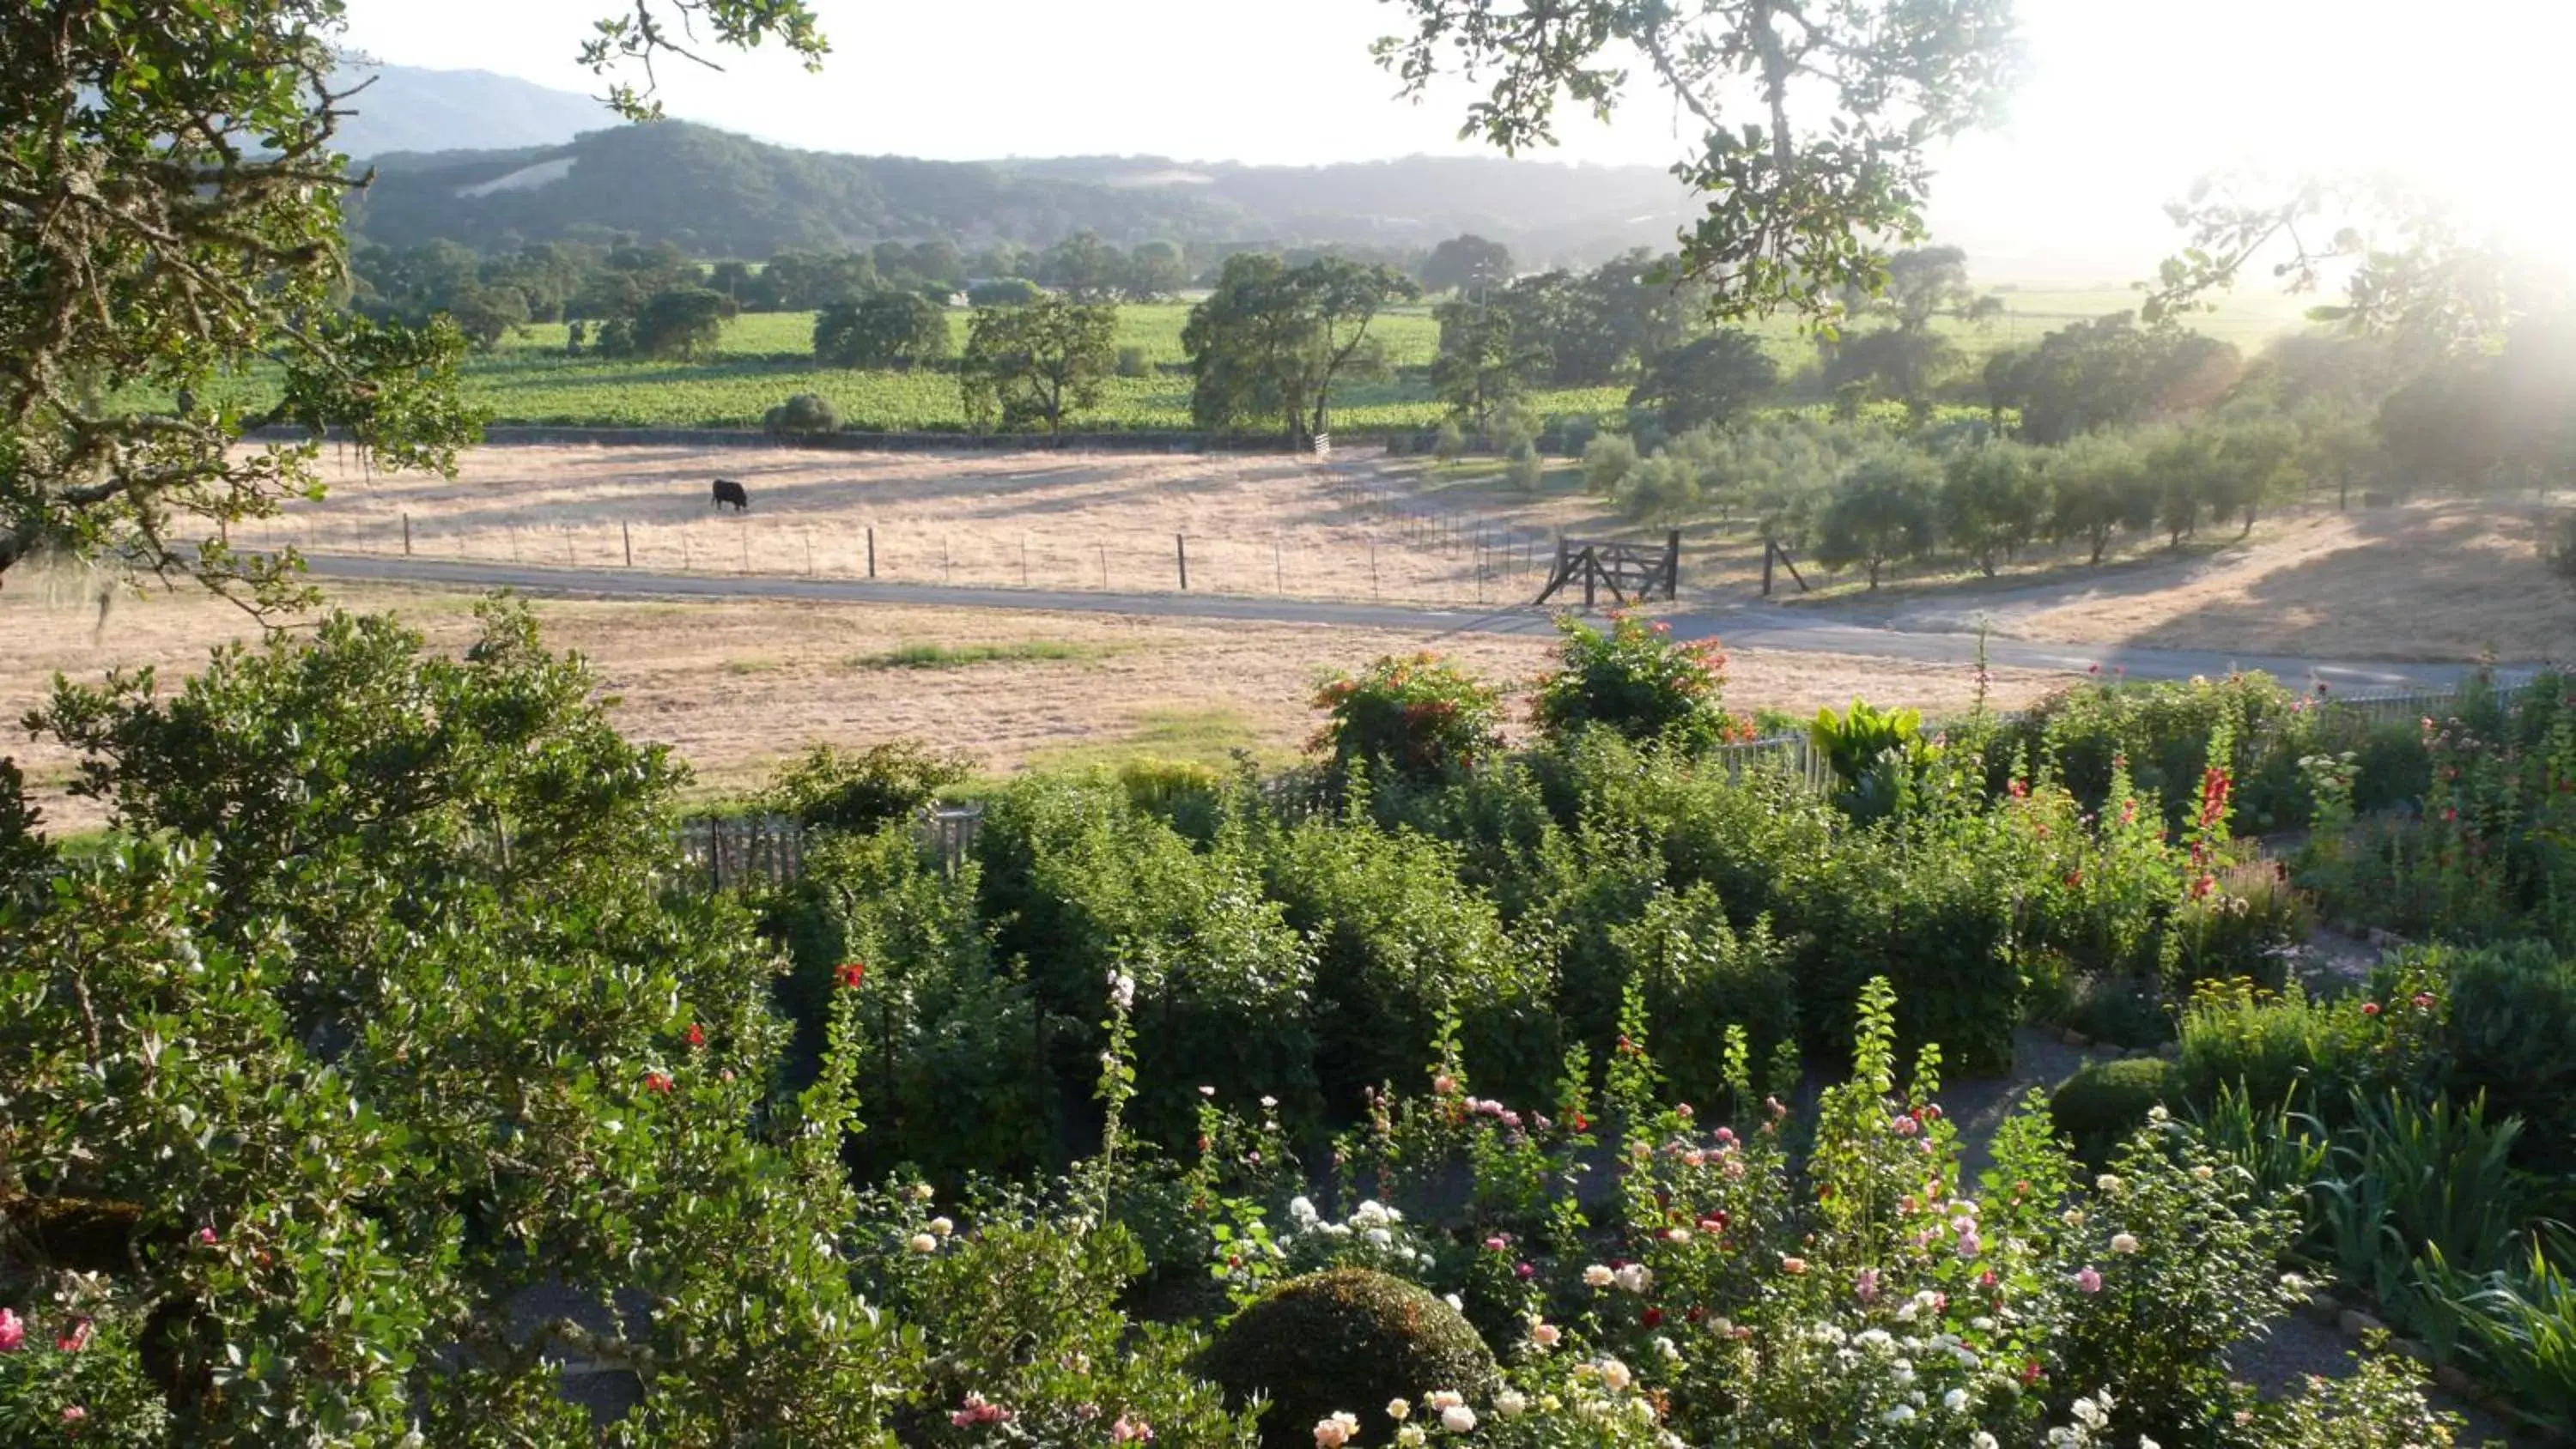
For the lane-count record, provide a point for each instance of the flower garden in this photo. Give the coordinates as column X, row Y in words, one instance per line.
column 378, row 1079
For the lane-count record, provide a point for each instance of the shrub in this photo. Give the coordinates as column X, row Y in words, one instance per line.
column 829, row 790
column 1415, row 718
column 1636, row 680
column 2508, row 1033
column 947, row 1040
column 1187, row 794
column 1024, row 1305
column 1450, row 443
column 1699, row 979
column 2274, row 1048
column 1607, row 461
column 804, row 413
column 2162, row 733
column 1348, row 1340
column 2106, row 1101
column 1004, row 292
column 1523, row 468
column 1398, row 948
column 883, row 329
column 1083, row 886
column 2244, row 926
column 1132, row 363
column 497, row 1053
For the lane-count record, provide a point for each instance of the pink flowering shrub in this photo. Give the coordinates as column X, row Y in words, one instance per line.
column 1415, row 718
column 1638, row 680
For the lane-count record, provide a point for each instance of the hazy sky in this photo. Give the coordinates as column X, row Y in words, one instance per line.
column 2125, row 101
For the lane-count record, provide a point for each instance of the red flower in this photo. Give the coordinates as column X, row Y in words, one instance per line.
column 1652, row 1318
column 77, row 1337
column 2370, row 1008
column 2075, row 880
column 657, row 1081
column 2423, row 1001
column 852, row 973
column 697, row 1035
column 1581, row 1122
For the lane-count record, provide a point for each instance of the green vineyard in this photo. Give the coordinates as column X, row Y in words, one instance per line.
column 766, row 357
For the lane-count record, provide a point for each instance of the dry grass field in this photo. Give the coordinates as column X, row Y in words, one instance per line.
column 1252, row 524
column 2428, row 581
column 736, row 687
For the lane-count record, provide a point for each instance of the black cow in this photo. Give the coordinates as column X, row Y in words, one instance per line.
column 728, row 491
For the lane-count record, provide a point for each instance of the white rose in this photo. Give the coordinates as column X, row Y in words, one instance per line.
column 1598, row 1276
column 1511, row 1404
column 1458, row 1418
column 924, row 1243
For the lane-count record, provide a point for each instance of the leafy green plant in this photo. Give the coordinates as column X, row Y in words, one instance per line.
column 2104, row 1102
column 829, row 789
column 2415, row 1180
column 1415, row 718
column 2521, row 1328
column 1636, row 680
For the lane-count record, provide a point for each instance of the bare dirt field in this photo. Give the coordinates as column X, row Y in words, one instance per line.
column 734, row 688
column 1116, row 522
column 2427, row 581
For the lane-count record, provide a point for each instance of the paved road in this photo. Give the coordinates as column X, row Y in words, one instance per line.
column 1745, row 626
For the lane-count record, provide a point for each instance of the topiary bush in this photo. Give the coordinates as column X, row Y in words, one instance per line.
column 2106, row 1101
column 1345, row 1341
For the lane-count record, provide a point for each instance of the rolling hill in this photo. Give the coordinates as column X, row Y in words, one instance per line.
column 484, row 160
column 410, row 108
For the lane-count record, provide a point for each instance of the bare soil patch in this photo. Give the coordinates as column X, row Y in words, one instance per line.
column 736, row 687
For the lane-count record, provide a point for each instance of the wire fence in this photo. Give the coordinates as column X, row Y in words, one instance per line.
column 1362, row 539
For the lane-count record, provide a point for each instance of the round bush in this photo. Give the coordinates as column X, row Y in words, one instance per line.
column 1345, row 1341
column 804, row 413
column 2106, row 1101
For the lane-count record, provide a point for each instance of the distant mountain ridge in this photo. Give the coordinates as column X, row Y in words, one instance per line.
column 485, row 160
column 411, row 108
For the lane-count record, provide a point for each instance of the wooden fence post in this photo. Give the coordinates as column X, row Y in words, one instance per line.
column 406, row 518
column 626, row 535
column 872, row 550
column 1181, row 546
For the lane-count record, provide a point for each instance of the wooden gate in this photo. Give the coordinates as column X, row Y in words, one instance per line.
column 1630, row 571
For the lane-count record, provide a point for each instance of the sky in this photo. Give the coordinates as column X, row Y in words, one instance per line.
column 2123, row 102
